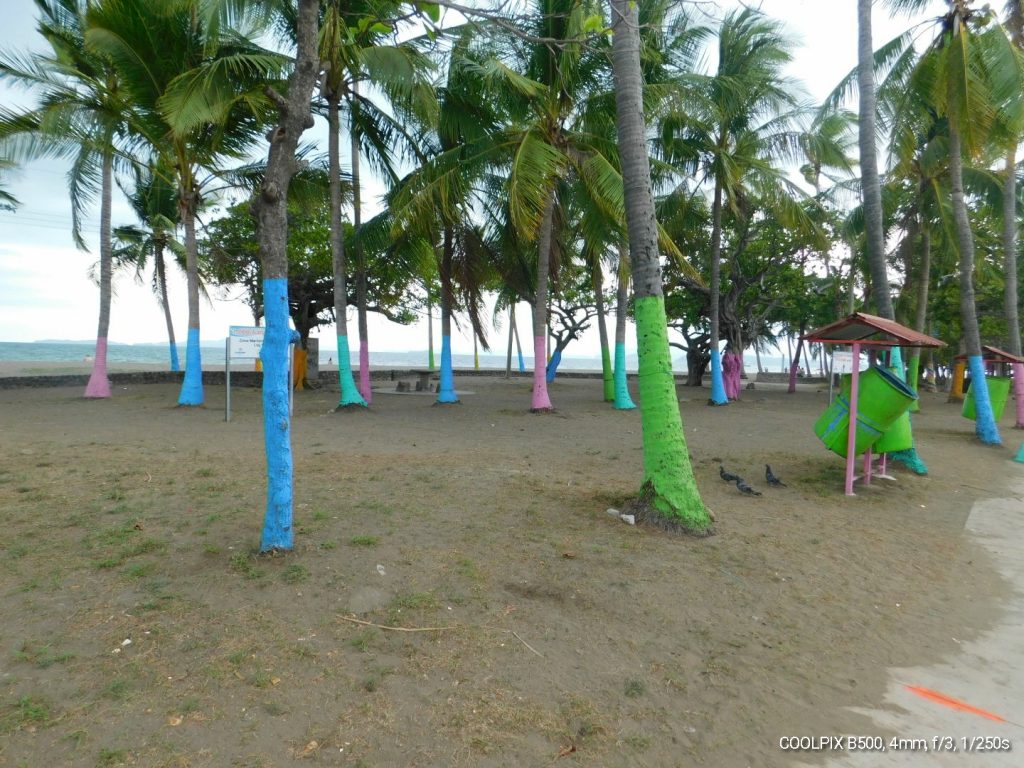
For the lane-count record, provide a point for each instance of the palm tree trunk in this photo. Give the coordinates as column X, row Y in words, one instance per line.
column 668, row 475
column 349, row 394
column 921, row 314
column 519, row 346
column 602, row 329
column 718, row 396
column 623, row 402
column 271, row 208
column 1010, row 271
column 430, row 329
column 541, row 401
column 357, row 220
column 871, row 188
column 99, row 385
column 985, row 423
column 446, row 389
column 165, row 304
column 192, row 385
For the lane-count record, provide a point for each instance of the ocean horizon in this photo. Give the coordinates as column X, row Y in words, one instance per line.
column 154, row 353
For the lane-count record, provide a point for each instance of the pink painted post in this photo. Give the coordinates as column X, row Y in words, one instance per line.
column 882, row 464
column 851, row 439
column 867, row 466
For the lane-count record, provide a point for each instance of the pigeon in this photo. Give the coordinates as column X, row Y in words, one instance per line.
column 744, row 488
column 729, row 477
column 771, row 478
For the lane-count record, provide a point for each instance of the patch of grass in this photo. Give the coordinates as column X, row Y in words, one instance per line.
column 364, row 541
column 139, row 571
column 116, row 690
column 320, row 515
column 111, row 757
column 206, row 472
column 328, row 544
column 27, row 712
column 361, row 641
column 243, row 565
column 41, row 656
column 635, row 689
column 260, row 679
column 212, row 549
column 295, row 574
column 468, row 569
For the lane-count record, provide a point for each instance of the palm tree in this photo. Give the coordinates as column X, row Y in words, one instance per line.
column 669, row 483
column 623, row 401
column 8, row 202
column 970, row 71
column 154, row 201
column 197, row 95
column 352, row 43
column 738, row 125
column 81, row 114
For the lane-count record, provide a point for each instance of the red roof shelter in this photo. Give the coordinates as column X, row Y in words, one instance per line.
column 861, row 330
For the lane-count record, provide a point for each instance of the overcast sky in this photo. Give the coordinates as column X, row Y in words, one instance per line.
column 44, row 289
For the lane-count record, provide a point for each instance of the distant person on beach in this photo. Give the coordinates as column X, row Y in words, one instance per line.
column 87, row 359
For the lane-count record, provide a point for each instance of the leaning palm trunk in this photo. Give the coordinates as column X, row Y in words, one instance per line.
column 165, row 304
column 1010, row 271
column 192, row 384
column 871, row 190
column 669, row 483
column 99, row 384
column 357, row 220
column 271, row 208
column 541, row 401
column 921, row 316
column 718, row 396
column 607, row 376
column 985, row 423
column 623, row 401
column 349, row 394
column 446, row 388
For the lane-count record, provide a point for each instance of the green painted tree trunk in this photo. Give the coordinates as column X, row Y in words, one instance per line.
column 668, row 473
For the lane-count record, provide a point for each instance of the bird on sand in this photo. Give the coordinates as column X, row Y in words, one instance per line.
column 771, row 478
column 729, row 477
column 744, row 488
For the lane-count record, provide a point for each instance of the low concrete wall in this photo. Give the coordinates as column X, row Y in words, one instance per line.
column 783, row 378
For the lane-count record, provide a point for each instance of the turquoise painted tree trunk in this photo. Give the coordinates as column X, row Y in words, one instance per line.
column 669, row 483
column 192, row 385
column 349, row 393
column 446, row 390
column 718, row 396
column 623, row 402
column 540, row 401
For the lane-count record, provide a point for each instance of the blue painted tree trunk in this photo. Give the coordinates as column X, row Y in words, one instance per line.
column 623, row 401
column 277, row 524
column 985, row 422
column 446, row 390
column 192, row 384
column 522, row 362
column 718, row 396
column 552, row 369
column 175, row 365
column 346, row 381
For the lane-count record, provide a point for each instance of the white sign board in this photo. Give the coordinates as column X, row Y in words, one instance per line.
column 842, row 362
column 244, row 342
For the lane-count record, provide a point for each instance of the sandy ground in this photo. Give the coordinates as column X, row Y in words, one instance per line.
column 538, row 630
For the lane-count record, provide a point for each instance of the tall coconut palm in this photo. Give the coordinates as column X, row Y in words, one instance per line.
column 740, row 124
column 623, row 401
column 8, row 202
column 154, row 200
column 668, row 475
column 968, row 73
column 197, row 91
column 81, row 114
column 1014, row 22
column 353, row 44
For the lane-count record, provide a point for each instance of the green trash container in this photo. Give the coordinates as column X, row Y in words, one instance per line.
column 998, row 393
column 898, row 437
column 882, row 398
